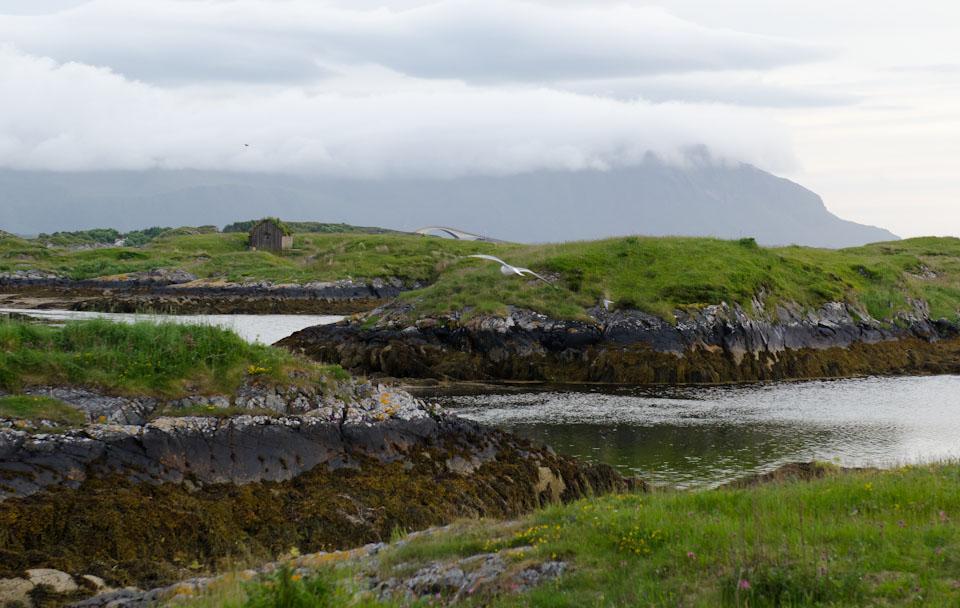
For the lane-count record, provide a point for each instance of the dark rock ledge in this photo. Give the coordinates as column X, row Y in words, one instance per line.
column 715, row 344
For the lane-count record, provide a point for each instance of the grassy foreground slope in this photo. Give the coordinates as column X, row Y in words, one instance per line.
column 882, row 538
column 656, row 275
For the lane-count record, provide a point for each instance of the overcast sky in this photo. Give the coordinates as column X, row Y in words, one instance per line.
column 857, row 100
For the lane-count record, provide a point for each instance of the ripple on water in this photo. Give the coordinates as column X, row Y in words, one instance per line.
column 704, row 436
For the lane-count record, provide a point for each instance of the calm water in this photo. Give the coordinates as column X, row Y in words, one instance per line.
column 252, row 328
column 684, row 436
column 698, row 437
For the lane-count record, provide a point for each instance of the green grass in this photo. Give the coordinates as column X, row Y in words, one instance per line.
column 167, row 360
column 661, row 275
column 886, row 538
column 655, row 275
column 25, row 407
column 225, row 256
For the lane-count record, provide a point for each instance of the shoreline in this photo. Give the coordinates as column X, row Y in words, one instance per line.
column 173, row 299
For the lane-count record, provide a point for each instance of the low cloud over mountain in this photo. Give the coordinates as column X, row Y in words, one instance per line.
column 697, row 198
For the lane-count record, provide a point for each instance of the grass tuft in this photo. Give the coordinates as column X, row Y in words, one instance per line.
column 166, row 360
column 25, row 407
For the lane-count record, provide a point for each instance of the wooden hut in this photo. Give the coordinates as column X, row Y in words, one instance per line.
column 270, row 234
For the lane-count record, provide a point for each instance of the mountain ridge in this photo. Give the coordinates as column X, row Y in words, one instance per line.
column 654, row 199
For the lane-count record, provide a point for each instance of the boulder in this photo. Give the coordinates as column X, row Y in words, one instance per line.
column 15, row 590
column 59, row 582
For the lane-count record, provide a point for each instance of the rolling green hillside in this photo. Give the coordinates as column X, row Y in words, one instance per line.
column 656, row 275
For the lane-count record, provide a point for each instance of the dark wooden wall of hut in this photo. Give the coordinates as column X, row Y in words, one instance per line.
column 267, row 236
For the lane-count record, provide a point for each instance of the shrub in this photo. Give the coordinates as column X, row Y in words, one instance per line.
column 287, row 589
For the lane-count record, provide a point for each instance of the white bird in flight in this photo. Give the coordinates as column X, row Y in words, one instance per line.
column 509, row 269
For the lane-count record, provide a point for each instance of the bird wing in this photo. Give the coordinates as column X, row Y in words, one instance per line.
column 488, row 257
column 522, row 270
column 515, row 269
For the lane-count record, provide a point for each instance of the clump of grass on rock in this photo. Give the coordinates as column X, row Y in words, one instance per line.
column 25, row 407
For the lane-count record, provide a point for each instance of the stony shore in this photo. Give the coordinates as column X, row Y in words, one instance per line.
column 714, row 344
column 183, row 293
column 304, row 428
column 146, row 504
column 454, row 580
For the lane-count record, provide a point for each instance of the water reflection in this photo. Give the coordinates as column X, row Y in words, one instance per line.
column 703, row 436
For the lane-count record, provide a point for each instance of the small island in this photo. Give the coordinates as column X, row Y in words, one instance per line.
column 150, row 463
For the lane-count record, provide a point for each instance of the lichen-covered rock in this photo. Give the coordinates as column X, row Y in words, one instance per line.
column 484, row 574
column 15, row 591
column 57, row 581
column 98, row 406
column 367, row 403
column 241, row 449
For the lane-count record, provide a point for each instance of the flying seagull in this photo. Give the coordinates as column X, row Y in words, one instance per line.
column 509, row 269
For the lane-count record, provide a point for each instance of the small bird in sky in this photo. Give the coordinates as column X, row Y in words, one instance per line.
column 246, row 145
column 509, row 269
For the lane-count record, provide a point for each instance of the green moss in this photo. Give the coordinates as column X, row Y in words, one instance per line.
column 336, row 372
column 39, row 408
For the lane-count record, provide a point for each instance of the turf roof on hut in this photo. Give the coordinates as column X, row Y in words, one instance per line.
column 276, row 222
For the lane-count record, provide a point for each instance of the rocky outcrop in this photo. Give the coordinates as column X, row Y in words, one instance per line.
column 368, row 403
column 453, row 580
column 151, row 504
column 714, row 344
column 242, row 449
column 181, row 292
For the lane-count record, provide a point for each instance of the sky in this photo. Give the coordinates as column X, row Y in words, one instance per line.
column 858, row 101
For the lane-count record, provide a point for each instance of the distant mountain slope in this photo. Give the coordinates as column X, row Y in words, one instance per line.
column 704, row 199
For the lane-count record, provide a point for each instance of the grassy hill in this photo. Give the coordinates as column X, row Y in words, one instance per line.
column 656, row 275
column 660, row 275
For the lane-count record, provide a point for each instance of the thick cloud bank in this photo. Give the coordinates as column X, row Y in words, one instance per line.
column 289, row 40
column 77, row 117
